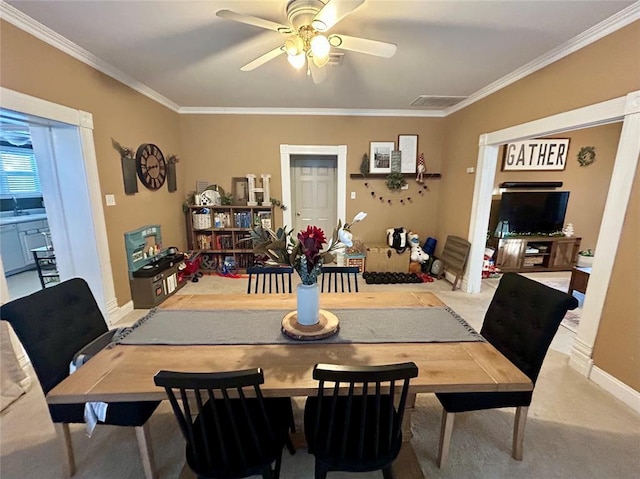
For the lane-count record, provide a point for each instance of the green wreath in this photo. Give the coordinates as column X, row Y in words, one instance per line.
column 587, row 155
column 395, row 181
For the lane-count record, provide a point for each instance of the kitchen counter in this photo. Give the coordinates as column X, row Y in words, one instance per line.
column 12, row 220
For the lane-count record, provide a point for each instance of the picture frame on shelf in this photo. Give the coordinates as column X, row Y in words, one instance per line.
column 380, row 156
column 408, row 145
column 240, row 190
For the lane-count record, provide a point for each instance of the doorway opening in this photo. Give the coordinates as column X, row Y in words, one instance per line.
column 62, row 140
column 24, row 230
column 625, row 109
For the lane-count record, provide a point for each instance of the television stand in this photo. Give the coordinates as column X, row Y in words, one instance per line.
column 528, row 254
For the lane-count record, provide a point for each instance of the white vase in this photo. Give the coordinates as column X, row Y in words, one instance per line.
column 308, row 303
column 585, row 261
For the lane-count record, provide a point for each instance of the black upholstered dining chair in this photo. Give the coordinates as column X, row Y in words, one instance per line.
column 53, row 325
column 269, row 279
column 521, row 321
column 361, row 430
column 231, row 431
column 339, row 279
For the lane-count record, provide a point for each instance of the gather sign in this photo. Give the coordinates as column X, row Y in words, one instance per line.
column 536, row 155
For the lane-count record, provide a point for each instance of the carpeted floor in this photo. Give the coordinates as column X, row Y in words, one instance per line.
column 574, row 430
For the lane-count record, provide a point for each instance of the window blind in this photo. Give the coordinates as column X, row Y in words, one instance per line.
column 18, row 171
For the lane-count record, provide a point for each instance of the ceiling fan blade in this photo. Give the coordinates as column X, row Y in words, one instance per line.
column 363, row 45
column 318, row 74
column 262, row 59
column 333, row 12
column 255, row 21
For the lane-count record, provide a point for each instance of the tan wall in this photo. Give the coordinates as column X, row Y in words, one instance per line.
column 618, row 341
column 569, row 83
column 217, row 148
column 606, row 69
column 588, row 184
column 32, row 67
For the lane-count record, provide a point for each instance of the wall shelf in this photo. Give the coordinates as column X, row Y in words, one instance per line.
column 383, row 176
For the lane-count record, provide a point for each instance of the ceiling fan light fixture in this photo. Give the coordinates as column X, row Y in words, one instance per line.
column 320, row 61
column 320, row 47
column 294, row 45
column 297, row 61
column 319, row 25
column 335, row 40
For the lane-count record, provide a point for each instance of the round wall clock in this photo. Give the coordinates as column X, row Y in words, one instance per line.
column 151, row 167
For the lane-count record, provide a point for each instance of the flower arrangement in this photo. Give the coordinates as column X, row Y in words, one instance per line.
column 304, row 251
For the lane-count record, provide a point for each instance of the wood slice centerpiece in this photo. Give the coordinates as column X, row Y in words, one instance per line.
column 327, row 325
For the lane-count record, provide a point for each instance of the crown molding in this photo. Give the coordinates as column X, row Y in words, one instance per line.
column 606, row 27
column 38, row 30
column 595, row 33
column 188, row 110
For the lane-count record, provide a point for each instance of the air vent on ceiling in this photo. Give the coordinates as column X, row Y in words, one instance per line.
column 335, row 59
column 432, row 102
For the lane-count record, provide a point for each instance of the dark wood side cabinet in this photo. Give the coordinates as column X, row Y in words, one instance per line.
column 536, row 253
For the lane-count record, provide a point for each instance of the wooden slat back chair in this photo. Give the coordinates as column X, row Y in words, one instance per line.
column 55, row 325
column 454, row 258
column 230, row 429
column 355, row 424
column 269, row 279
column 336, row 277
column 521, row 321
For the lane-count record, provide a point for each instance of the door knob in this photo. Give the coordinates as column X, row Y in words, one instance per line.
column 297, row 213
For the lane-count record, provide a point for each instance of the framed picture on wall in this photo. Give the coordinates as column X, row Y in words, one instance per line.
column 408, row 145
column 380, row 156
column 240, row 190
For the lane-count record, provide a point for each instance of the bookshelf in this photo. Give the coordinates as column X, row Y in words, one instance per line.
column 221, row 232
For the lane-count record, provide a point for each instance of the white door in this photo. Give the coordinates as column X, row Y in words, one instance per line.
column 314, row 192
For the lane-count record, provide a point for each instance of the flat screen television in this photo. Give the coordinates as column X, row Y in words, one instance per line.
column 531, row 212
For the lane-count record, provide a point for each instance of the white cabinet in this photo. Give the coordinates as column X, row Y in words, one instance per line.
column 11, row 248
column 32, row 236
column 17, row 239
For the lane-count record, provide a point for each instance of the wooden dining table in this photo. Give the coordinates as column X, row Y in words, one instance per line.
column 125, row 372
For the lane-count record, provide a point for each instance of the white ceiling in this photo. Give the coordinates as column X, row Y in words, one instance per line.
column 185, row 54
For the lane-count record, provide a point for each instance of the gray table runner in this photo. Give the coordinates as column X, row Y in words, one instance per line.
column 399, row 325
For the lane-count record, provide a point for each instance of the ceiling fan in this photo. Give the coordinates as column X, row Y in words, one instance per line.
column 308, row 43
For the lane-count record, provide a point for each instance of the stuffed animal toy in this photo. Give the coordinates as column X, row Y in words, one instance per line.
column 417, row 253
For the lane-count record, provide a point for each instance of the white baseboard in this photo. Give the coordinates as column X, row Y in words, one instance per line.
column 116, row 315
column 580, row 357
column 616, row 388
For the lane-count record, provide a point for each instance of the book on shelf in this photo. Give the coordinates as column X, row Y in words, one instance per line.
column 264, row 218
column 242, row 219
column 243, row 241
column 224, row 242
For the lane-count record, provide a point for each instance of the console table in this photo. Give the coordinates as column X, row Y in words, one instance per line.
column 536, row 253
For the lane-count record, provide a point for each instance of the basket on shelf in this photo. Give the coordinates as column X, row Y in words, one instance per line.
column 201, row 221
